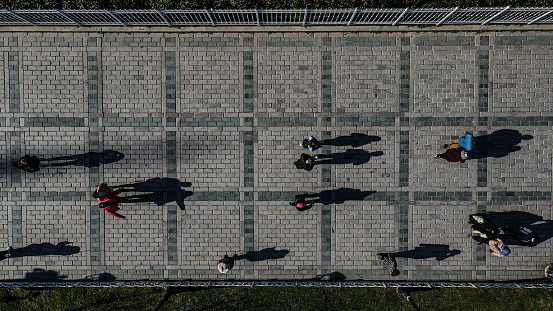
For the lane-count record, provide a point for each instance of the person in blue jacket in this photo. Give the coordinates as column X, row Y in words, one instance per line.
column 469, row 142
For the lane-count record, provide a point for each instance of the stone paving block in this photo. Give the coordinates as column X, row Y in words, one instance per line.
column 443, row 81
column 131, row 81
column 363, row 41
column 366, row 81
column 287, row 81
column 3, row 107
column 143, row 156
column 5, row 161
column 287, row 231
column 137, row 241
column 275, row 161
column 61, row 225
column 436, row 224
column 425, row 143
column 376, row 168
column 444, row 40
column 56, row 144
column 535, row 215
column 521, row 79
column 208, row 232
column 364, row 229
column 224, row 115
column 4, row 225
column 210, row 159
column 209, row 82
column 528, row 169
column 53, row 82
column 56, row 41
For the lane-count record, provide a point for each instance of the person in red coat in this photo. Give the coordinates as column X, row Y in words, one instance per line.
column 454, row 155
column 110, row 196
column 112, row 208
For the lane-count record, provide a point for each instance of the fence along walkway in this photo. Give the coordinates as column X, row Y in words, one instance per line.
column 341, row 17
column 364, row 284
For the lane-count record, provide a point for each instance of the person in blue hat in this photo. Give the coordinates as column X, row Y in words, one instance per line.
column 497, row 247
column 468, row 141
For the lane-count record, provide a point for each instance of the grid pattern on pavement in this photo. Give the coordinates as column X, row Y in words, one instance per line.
column 209, row 125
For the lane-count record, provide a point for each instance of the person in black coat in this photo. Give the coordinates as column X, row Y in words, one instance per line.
column 300, row 203
column 305, row 162
column 483, row 227
column 30, row 163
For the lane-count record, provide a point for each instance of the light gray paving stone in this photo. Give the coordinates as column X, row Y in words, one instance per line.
column 257, row 99
column 287, row 81
column 53, row 82
column 367, row 80
column 521, row 79
column 443, row 81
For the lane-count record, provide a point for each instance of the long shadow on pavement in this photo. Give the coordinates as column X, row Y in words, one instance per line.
column 425, row 251
column 90, row 159
column 353, row 156
column 339, row 196
column 354, row 140
column 160, row 191
column 499, row 144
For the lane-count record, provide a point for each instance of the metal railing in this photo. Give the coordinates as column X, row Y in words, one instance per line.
column 368, row 284
column 340, row 17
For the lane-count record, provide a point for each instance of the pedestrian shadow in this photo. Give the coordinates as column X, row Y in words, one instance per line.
column 514, row 219
column 353, row 156
column 159, row 191
column 425, row 251
column 499, row 144
column 354, row 140
column 333, row 276
column 44, row 249
column 39, row 274
column 101, row 277
column 264, row 254
column 339, row 196
column 89, row 159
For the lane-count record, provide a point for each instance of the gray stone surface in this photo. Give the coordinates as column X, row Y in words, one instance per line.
column 224, row 113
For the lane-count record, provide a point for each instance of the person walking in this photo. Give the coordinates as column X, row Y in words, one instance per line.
column 497, row 246
column 102, row 191
column 454, row 155
column 31, row 163
column 108, row 195
column 305, row 162
column 389, row 263
column 523, row 235
column 226, row 263
column 468, row 141
column 300, row 203
column 311, row 143
column 112, row 208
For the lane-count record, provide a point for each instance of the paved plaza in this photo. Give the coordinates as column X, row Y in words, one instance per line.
column 208, row 125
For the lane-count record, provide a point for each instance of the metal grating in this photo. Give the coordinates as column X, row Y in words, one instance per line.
column 361, row 17
column 321, row 284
